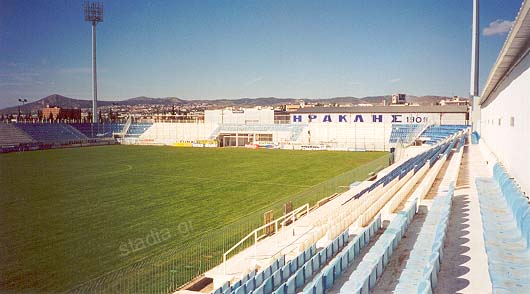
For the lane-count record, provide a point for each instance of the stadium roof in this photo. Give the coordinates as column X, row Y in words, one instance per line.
column 385, row 109
column 516, row 47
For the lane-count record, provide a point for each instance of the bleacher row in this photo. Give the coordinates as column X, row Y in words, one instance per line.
column 11, row 135
column 506, row 224
column 290, row 277
column 421, row 271
column 436, row 133
column 423, row 265
column 335, row 267
column 317, row 273
column 365, row 276
column 374, row 197
column 415, row 163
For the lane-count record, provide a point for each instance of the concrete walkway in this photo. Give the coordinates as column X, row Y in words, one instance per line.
column 465, row 264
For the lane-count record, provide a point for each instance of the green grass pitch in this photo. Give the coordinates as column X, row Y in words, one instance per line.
column 70, row 215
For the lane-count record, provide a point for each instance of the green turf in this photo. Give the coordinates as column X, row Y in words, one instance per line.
column 65, row 213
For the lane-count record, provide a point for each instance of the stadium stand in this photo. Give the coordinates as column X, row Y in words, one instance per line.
column 337, row 235
column 137, row 129
column 436, row 133
column 52, row 132
column 11, row 135
column 405, row 133
column 99, row 130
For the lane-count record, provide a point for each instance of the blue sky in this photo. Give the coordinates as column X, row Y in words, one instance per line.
column 232, row 49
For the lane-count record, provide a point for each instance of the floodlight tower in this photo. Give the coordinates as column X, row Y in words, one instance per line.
column 94, row 14
column 473, row 87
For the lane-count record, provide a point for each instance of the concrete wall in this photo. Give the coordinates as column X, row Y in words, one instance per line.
column 510, row 142
column 363, row 118
column 240, row 117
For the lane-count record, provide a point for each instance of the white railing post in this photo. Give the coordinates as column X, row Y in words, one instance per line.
column 255, row 244
column 224, row 262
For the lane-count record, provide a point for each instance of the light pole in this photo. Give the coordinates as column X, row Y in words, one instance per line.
column 473, row 87
column 94, row 14
column 23, row 101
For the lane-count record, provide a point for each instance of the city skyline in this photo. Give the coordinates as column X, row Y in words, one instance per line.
column 215, row 50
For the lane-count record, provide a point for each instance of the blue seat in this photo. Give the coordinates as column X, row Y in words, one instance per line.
column 286, row 272
column 316, row 262
column 291, row 285
column 249, row 285
column 319, row 286
column 274, row 266
column 308, row 271
column 268, row 285
column 259, row 278
column 351, row 252
column 282, row 289
column 307, row 254
column 259, row 290
column 301, row 259
column 329, row 251
column 240, row 290
column 329, row 277
column 281, row 261
column 267, row 272
column 277, row 278
column 299, row 280
column 335, row 246
column 293, row 265
column 323, row 257
column 236, row 285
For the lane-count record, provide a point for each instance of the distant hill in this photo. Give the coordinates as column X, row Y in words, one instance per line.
column 67, row 102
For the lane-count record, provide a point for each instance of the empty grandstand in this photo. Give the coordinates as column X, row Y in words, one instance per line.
column 11, row 135
column 99, row 130
column 457, row 194
column 448, row 213
column 433, row 134
column 50, row 133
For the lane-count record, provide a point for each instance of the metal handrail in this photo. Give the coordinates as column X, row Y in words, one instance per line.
column 255, row 232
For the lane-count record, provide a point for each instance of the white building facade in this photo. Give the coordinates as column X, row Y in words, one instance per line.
column 505, row 102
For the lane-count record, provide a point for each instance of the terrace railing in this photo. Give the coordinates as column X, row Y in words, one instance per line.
column 278, row 224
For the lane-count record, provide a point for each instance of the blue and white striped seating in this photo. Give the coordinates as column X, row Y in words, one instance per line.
column 364, row 278
column 325, row 279
column 506, row 222
column 421, row 271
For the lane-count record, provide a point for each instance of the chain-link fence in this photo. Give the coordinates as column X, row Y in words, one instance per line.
column 167, row 271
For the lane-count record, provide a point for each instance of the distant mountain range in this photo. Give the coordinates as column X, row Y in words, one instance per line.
column 66, row 102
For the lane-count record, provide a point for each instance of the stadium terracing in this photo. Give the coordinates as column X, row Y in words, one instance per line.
column 451, row 214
